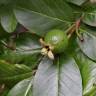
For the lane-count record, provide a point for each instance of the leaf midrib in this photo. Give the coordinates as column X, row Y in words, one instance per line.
column 28, row 87
column 58, row 74
column 47, row 16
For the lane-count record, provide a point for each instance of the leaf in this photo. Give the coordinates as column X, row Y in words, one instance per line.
column 38, row 22
column 23, row 88
column 5, row 2
column 3, row 34
column 89, row 17
column 88, row 46
column 77, row 2
column 59, row 79
column 27, row 42
column 27, row 50
column 8, row 21
column 88, row 73
column 30, row 60
column 51, row 8
column 10, row 74
column 72, row 45
column 44, row 15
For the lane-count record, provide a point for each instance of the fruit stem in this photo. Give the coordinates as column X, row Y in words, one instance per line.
column 79, row 35
column 7, row 46
column 70, row 30
column 42, row 42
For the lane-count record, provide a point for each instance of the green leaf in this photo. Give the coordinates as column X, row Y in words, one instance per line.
column 89, row 17
column 27, row 51
column 52, row 8
column 61, row 78
column 77, row 2
column 72, row 45
column 3, row 34
column 5, row 2
column 44, row 15
column 88, row 73
column 88, row 46
column 38, row 22
column 27, row 42
column 23, row 88
column 30, row 60
column 10, row 74
column 8, row 21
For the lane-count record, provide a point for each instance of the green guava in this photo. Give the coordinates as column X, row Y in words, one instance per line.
column 57, row 40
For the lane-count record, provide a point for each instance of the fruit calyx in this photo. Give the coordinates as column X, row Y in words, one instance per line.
column 47, row 49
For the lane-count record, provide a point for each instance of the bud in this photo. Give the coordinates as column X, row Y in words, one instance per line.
column 44, row 51
column 50, row 55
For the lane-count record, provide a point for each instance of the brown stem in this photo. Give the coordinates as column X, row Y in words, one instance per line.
column 73, row 28
column 2, row 87
column 77, row 28
column 77, row 24
column 6, row 45
column 42, row 42
column 71, row 32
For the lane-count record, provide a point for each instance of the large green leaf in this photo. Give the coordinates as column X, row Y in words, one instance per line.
column 38, row 22
column 44, row 15
column 8, row 21
column 88, row 73
column 11, row 74
column 52, row 8
column 61, row 78
column 88, row 46
column 23, row 88
column 27, row 50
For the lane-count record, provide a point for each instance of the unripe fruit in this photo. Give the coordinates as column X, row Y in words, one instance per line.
column 57, row 40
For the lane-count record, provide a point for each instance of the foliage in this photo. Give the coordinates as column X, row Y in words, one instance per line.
column 24, row 71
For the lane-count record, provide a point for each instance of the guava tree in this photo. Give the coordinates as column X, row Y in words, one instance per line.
column 47, row 48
